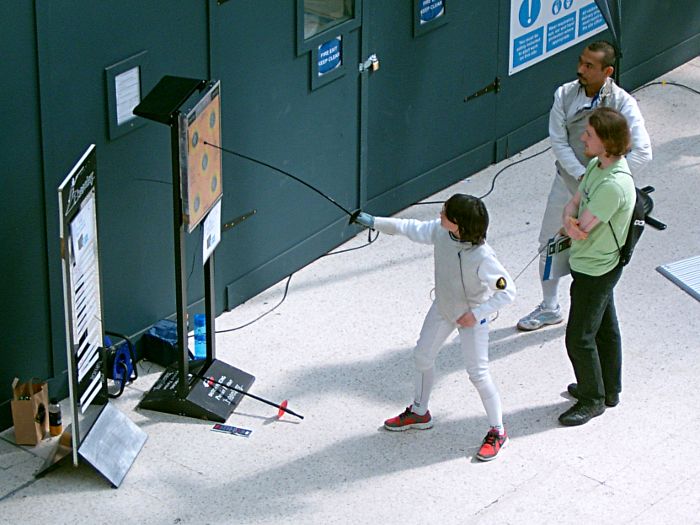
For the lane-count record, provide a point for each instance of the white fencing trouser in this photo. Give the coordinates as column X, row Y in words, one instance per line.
column 475, row 347
column 558, row 198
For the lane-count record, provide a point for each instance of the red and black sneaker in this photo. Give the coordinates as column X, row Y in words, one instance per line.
column 408, row 419
column 493, row 442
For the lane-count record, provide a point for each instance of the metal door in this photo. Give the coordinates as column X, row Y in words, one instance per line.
column 289, row 90
column 430, row 106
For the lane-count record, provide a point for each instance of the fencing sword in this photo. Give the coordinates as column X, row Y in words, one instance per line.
column 282, row 407
column 352, row 214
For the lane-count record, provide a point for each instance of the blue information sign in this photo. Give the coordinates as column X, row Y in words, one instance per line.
column 430, row 10
column 330, row 56
column 561, row 32
column 590, row 19
column 528, row 47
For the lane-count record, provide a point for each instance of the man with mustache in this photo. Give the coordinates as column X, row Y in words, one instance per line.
column 573, row 103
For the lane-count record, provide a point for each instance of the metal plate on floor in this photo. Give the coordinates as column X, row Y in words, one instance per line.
column 684, row 273
column 112, row 444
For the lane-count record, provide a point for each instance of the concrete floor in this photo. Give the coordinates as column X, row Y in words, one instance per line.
column 339, row 348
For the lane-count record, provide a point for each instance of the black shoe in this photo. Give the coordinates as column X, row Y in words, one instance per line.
column 580, row 414
column 611, row 400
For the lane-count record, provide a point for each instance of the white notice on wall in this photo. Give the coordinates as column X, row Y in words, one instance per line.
column 127, row 87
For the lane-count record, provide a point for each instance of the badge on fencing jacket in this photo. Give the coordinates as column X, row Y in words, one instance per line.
column 501, row 283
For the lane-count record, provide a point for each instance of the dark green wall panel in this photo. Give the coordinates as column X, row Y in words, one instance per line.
column 25, row 345
column 657, row 37
column 77, row 41
column 420, row 129
column 658, row 27
column 271, row 114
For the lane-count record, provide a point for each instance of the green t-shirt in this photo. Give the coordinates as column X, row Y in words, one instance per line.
column 608, row 194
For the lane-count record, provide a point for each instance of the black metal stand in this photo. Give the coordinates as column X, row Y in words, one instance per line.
column 178, row 391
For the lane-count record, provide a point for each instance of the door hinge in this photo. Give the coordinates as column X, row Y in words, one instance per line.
column 494, row 86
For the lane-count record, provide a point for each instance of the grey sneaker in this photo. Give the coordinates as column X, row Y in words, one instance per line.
column 540, row 317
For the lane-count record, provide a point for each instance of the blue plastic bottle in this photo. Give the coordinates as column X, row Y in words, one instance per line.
column 200, row 336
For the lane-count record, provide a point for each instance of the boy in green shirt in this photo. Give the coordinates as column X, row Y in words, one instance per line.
column 606, row 194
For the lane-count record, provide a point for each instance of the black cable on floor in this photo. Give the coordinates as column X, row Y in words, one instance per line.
column 370, row 240
column 669, row 83
column 286, row 289
column 493, row 181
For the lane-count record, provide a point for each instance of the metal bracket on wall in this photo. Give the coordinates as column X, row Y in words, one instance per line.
column 235, row 222
column 372, row 63
column 494, row 86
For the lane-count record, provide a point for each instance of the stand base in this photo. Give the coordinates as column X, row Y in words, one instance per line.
column 110, row 447
column 203, row 401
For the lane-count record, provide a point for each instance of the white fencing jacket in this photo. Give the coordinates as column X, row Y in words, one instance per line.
column 570, row 101
column 467, row 277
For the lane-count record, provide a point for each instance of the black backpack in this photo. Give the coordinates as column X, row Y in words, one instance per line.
column 640, row 217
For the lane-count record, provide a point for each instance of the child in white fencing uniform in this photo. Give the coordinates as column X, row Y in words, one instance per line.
column 470, row 285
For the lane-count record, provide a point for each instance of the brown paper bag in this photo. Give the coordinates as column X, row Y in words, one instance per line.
column 30, row 411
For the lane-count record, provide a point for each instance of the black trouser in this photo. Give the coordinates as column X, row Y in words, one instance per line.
column 593, row 336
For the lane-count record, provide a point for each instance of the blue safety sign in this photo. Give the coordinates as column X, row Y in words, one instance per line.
column 542, row 28
column 330, row 55
column 528, row 12
column 430, row 10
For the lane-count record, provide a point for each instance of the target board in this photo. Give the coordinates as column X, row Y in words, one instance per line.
column 200, row 176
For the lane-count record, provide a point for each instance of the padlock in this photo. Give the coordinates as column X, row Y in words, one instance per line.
column 375, row 65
